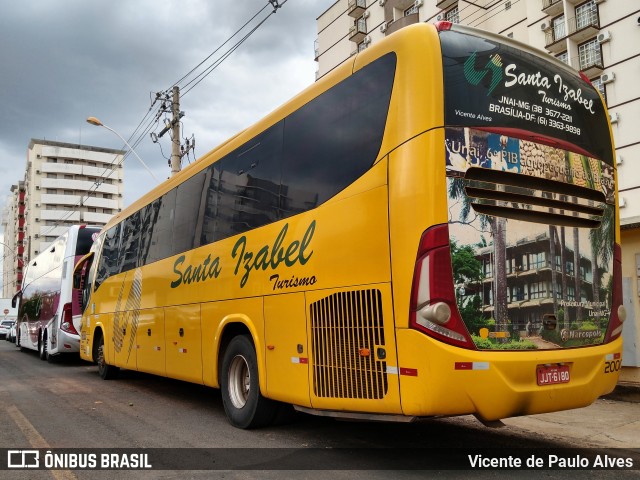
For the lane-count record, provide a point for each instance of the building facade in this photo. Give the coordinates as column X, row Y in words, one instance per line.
column 599, row 37
column 13, row 242
column 64, row 184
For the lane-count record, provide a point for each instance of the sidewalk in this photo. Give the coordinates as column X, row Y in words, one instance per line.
column 625, row 392
column 609, row 422
column 628, row 388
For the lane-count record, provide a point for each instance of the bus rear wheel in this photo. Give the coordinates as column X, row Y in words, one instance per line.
column 42, row 346
column 243, row 403
column 106, row 371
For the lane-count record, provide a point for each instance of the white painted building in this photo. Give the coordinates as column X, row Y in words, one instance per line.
column 64, row 184
column 599, row 37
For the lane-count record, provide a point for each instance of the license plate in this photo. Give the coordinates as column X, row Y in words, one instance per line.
column 552, row 374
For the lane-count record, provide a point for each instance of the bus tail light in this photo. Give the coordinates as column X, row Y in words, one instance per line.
column 443, row 25
column 618, row 312
column 67, row 320
column 433, row 308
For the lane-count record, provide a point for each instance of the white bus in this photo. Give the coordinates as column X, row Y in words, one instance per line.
column 48, row 302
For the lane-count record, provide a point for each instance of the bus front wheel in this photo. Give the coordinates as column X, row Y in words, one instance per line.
column 244, row 405
column 106, row 371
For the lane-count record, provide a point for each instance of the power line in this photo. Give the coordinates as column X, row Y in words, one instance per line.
column 191, row 79
column 149, row 120
column 222, row 45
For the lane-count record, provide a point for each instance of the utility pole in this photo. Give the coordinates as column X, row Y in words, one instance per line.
column 176, row 157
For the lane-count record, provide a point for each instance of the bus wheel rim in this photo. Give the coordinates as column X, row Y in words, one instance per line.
column 239, row 381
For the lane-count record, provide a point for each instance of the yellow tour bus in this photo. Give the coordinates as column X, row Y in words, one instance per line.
column 429, row 230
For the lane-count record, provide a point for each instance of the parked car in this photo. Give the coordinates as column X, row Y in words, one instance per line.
column 5, row 326
column 12, row 333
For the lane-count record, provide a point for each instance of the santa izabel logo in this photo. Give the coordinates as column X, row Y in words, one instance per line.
column 493, row 67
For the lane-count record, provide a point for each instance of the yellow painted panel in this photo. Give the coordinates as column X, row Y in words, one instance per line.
column 150, row 341
column 124, row 339
column 286, row 350
column 183, row 337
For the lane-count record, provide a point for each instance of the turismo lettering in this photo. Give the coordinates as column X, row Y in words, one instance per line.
column 271, row 256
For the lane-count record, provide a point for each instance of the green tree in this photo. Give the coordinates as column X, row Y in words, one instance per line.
column 467, row 276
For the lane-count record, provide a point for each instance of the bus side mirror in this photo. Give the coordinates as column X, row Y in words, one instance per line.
column 14, row 300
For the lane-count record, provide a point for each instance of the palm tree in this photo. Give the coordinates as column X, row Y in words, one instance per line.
column 497, row 227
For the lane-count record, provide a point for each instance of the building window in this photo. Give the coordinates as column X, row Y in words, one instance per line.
column 597, row 82
column 538, row 290
column 68, row 192
column 559, row 30
column 411, row 10
column 361, row 46
column 586, row 14
column 453, row 15
column 52, row 175
column 589, row 54
column 361, row 25
column 563, row 57
column 537, row 260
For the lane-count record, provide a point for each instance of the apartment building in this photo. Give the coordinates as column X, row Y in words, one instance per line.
column 13, row 241
column 64, row 184
column 599, row 37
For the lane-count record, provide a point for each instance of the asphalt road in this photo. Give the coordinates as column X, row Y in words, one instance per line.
column 66, row 405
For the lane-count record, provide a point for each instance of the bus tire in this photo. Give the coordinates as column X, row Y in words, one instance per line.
column 106, row 371
column 243, row 403
column 42, row 345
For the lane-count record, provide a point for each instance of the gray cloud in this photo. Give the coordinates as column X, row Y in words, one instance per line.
column 64, row 61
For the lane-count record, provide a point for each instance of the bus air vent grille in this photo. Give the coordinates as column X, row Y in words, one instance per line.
column 347, row 331
column 533, row 199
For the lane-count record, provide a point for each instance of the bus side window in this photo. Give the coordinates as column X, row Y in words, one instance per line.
column 87, row 283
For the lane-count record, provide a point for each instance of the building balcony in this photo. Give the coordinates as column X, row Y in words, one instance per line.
column 582, row 28
column 356, row 8
column 444, row 4
column 358, row 31
column 401, row 23
column 552, row 7
column 82, row 185
column 555, row 41
column 577, row 29
column 591, row 67
column 55, row 215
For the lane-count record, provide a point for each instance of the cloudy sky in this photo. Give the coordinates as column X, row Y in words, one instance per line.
column 63, row 61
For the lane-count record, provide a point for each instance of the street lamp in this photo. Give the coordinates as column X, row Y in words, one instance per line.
column 98, row 123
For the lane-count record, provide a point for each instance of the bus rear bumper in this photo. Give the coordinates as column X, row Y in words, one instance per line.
column 66, row 343
column 494, row 385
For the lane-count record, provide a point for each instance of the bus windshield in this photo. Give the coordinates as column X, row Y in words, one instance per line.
column 531, row 197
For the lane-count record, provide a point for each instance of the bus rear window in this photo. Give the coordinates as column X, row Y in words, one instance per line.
column 494, row 86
